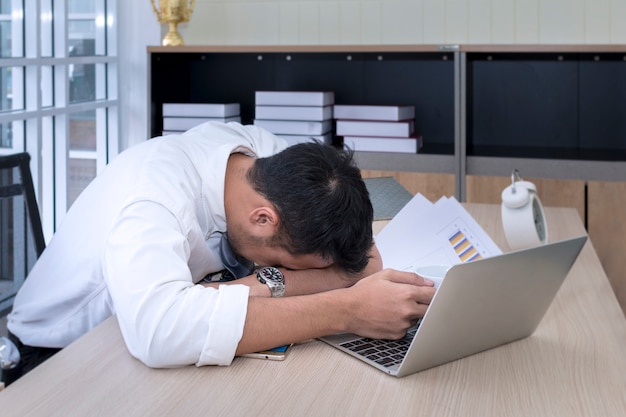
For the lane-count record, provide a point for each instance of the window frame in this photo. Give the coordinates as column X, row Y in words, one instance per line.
column 46, row 108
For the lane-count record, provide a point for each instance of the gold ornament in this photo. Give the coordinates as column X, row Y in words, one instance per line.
column 173, row 12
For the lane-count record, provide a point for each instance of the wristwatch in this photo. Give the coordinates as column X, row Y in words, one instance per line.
column 274, row 279
column 523, row 218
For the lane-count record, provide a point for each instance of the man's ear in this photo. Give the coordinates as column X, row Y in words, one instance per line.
column 264, row 219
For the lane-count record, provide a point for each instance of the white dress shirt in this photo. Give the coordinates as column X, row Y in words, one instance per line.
column 136, row 242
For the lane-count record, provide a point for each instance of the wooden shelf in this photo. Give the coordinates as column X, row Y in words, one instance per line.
column 299, row 48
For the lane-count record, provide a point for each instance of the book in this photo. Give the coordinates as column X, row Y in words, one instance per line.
column 295, row 139
column 201, row 109
column 373, row 112
column 294, row 98
column 313, row 113
column 375, row 128
column 185, row 123
column 295, row 127
column 411, row 144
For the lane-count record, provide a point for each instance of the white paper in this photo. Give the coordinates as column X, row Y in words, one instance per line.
column 423, row 233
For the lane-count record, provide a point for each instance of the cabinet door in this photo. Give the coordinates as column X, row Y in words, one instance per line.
column 607, row 231
column 432, row 186
column 552, row 192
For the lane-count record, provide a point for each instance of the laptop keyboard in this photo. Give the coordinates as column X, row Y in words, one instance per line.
column 384, row 352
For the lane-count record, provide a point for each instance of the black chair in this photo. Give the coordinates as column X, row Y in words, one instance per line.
column 21, row 243
column 21, row 234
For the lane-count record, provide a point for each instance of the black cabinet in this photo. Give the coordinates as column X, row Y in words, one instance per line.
column 547, row 105
column 422, row 79
column 550, row 111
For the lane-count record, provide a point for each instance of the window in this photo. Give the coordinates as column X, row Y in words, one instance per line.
column 58, row 94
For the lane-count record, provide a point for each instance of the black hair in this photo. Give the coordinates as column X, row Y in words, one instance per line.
column 322, row 201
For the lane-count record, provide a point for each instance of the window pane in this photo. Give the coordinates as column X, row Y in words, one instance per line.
column 81, row 27
column 6, row 88
column 11, row 88
column 6, row 135
column 83, row 131
column 82, row 164
column 82, row 82
column 81, row 6
column 81, row 172
column 47, row 86
column 102, row 82
column 5, row 30
column 12, row 136
column 47, row 37
column 82, row 38
column 11, row 28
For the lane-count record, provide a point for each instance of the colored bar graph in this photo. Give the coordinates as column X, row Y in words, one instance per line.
column 464, row 249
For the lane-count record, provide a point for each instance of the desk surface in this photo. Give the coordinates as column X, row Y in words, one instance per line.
column 573, row 365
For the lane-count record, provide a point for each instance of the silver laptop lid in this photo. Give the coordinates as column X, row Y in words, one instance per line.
column 487, row 303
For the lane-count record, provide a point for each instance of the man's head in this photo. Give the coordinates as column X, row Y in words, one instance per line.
column 322, row 203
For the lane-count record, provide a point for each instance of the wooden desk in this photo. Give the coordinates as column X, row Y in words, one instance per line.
column 574, row 365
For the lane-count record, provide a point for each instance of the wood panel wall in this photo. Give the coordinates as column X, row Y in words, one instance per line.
column 432, row 186
column 607, row 231
column 551, row 192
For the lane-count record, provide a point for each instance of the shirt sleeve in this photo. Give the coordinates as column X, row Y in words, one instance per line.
column 166, row 320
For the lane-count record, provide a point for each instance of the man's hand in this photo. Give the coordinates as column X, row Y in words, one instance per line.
column 386, row 304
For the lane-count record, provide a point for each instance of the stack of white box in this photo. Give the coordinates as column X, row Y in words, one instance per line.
column 296, row 116
column 378, row 128
column 180, row 117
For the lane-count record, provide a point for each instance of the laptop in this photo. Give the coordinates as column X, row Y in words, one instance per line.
column 479, row 305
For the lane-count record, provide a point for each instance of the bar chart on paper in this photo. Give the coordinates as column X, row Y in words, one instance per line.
column 466, row 245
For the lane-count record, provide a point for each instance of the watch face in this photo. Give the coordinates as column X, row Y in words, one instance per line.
column 539, row 221
column 272, row 274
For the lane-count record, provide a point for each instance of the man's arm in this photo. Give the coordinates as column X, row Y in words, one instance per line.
column 383, row 305
column 311, row 281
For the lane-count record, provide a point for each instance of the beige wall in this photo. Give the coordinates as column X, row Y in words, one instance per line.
column 406, row 22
